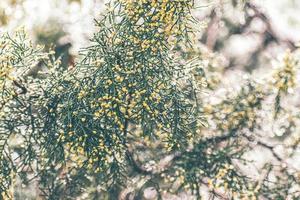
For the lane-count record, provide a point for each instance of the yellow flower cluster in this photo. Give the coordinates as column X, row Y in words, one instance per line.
column 242, row 113
column 285, row 77
column 162, row 18
column 222, row 177
column 97, row 156
column 122, row 101
column 127, row 102
column 227, row 180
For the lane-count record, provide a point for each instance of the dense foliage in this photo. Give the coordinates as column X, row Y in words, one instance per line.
column 142, row 109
